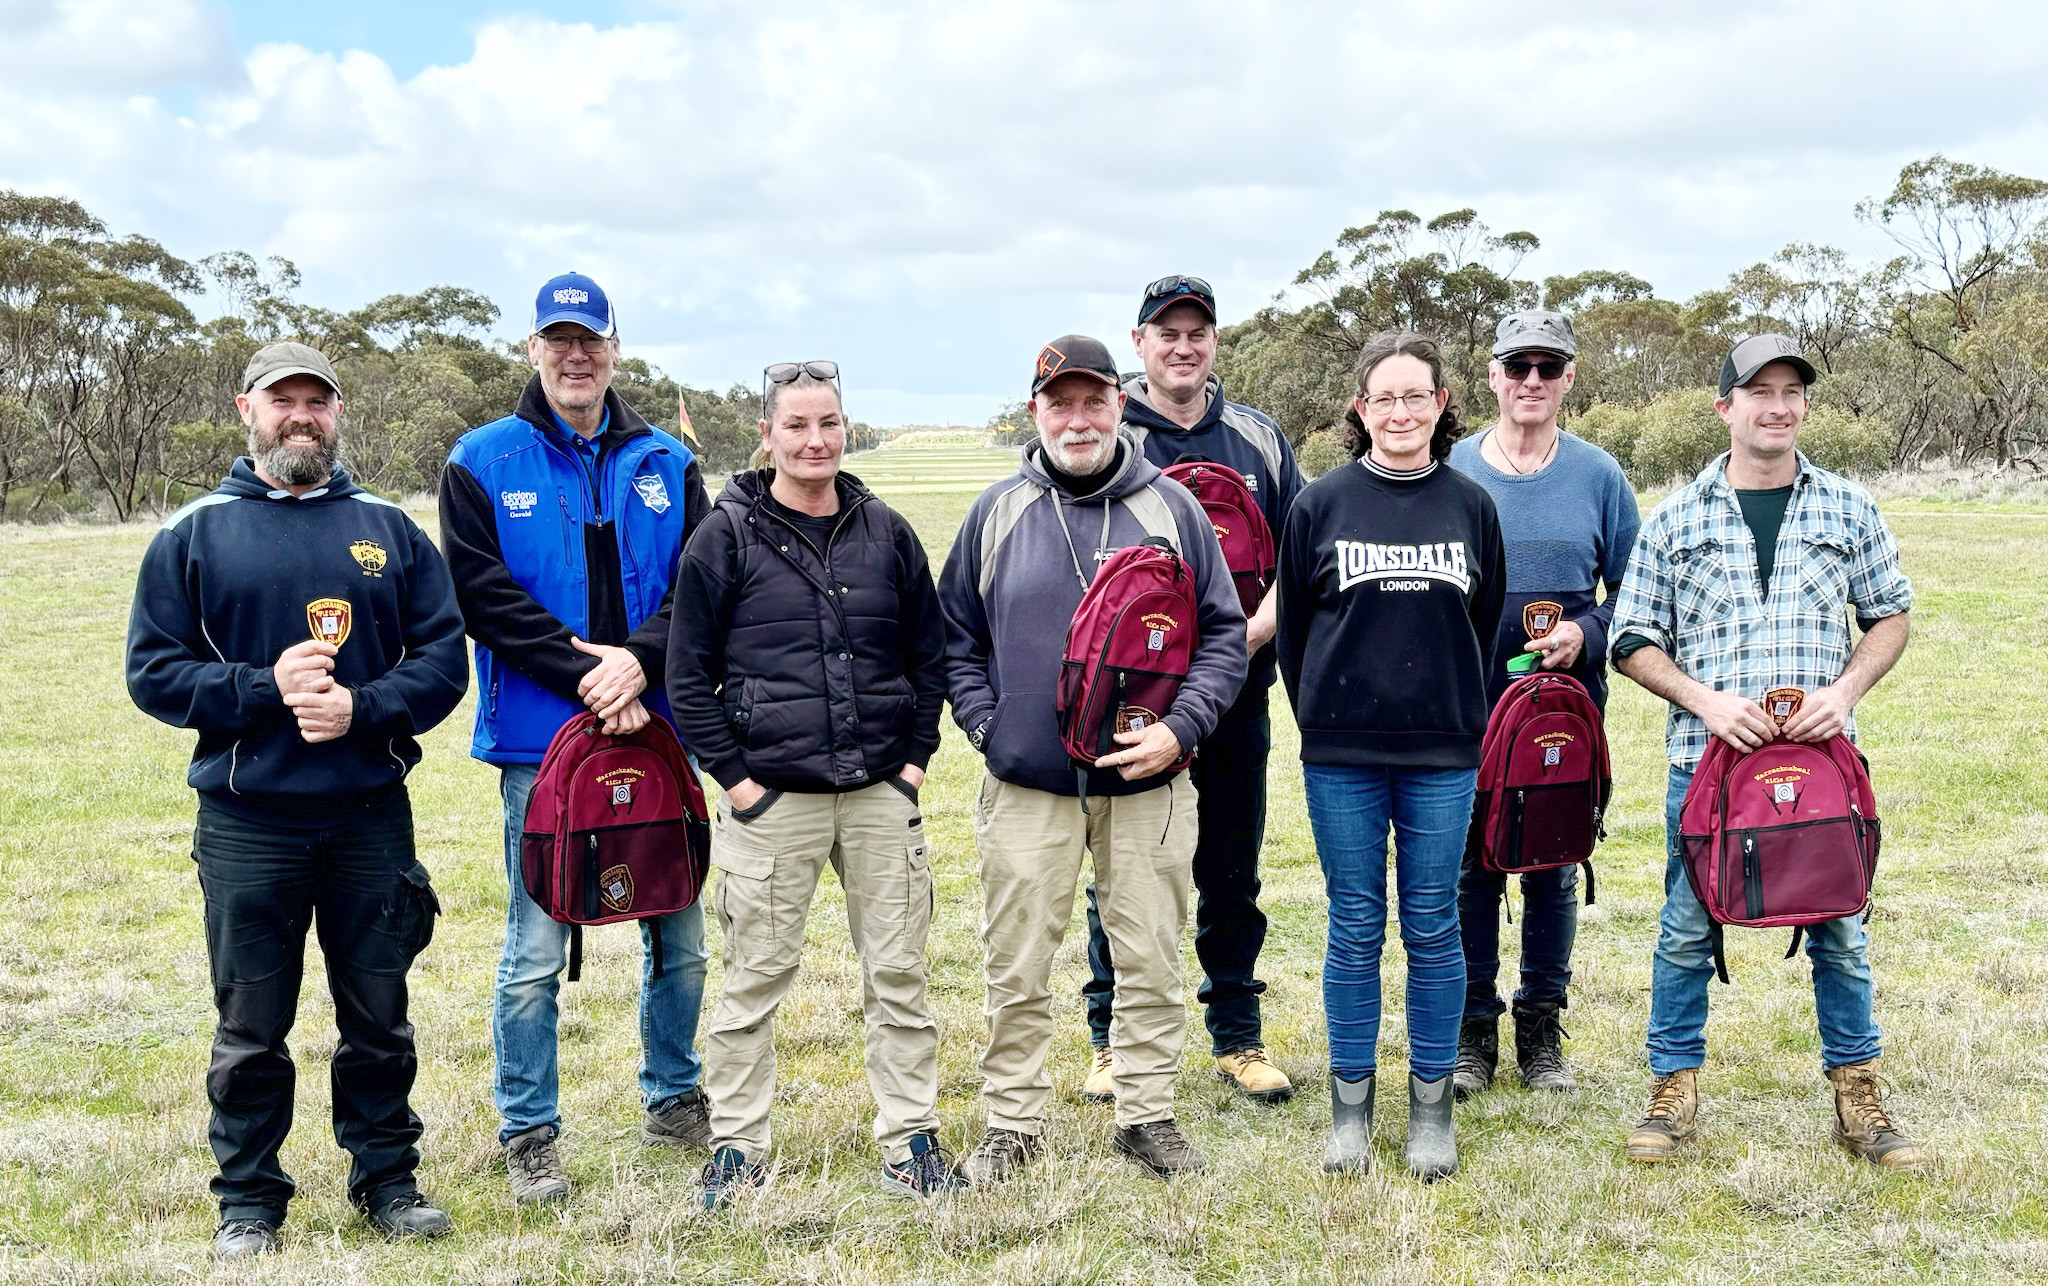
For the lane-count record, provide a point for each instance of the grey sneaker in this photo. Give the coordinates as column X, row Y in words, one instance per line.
column 534, row 1165
column 682, row 1122
column 1000, row 1154
column 244, row 1239
column 1161, row 1148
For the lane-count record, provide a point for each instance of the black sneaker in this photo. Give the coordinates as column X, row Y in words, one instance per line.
column 244, row 1239
column 409, row 1215
column 1000, row 1154
column 683, row 1122
column 926, row 1172
column 1161, row 1148
column 728, row 1174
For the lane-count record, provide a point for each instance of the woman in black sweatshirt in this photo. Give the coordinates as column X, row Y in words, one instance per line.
column 1392, row 574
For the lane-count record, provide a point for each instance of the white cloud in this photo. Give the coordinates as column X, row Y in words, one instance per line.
column 928, row 190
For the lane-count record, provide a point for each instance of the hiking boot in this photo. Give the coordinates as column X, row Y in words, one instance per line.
column 1539, row 1050
column 1100, row 1087
column 409, row 1215
column 1432, row 1137
column 1000, row 1154
column 534, row 1165
column 1161, row 1148
column 1478, row 1055
column 726, row 1176
column 1349, row 1148
column 926, row 1172
column 1861, row 1123
column 1674, row 1107
column 244, row 1239
column 683, row 1122
column 1254, row 1075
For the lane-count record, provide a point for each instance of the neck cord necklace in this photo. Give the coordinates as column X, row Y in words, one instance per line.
column 1520, row 472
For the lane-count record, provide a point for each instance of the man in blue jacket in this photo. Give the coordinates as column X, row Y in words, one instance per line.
column 1024, row 556
column 308, row 631
column 1176, row 411
column 563, row 523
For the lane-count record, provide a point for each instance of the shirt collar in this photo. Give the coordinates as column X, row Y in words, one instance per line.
column 577, row 439
column 1715, row 476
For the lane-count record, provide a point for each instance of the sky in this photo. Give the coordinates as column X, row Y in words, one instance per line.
column 928, row 191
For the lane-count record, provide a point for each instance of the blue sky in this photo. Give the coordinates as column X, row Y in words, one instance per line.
column 927, row 190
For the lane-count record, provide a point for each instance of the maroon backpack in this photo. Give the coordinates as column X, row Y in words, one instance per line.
column 1127, row 652
column 616, row 829
column 1240, row 524
column 1544, row 779
column 1783, row 835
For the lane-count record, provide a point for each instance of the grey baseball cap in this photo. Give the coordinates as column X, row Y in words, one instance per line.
column 1537, row 330
column 274, row 362
column 1757, row 352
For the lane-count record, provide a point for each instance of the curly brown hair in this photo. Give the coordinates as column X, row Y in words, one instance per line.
column 1404, row 343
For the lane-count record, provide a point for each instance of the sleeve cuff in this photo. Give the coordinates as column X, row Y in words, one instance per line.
column 728, row 772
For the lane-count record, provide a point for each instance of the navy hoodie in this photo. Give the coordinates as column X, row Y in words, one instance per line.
column 233, row 579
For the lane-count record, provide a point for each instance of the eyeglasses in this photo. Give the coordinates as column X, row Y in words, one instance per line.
column 1178, row 284
column 1518, row 368
column 562, row 341
column 1382, row 404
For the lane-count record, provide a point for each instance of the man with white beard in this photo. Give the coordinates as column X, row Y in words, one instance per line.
column 1024, row 556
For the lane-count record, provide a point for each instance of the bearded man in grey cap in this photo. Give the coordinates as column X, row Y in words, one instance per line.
column 308, row 631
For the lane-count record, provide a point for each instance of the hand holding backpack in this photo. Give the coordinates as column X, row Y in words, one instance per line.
column 616, row 829
column 1786, row 834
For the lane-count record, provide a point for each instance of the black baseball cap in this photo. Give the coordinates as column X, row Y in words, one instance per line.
column 1074, row 355
column 1757, row 352
column 1179, row 288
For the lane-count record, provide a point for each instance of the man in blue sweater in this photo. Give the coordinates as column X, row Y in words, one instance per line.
column 1176, row 411
column 564, row 523
column 308, row 631
column 1569, row 520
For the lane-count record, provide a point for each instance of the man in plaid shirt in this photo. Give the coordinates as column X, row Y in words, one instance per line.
column 1740, row 583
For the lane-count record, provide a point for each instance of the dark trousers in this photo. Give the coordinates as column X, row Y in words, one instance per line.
column 1229, row 773
column 1550, row 923
column 265, row 885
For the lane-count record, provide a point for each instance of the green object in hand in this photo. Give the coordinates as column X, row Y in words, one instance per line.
column 1521, row 664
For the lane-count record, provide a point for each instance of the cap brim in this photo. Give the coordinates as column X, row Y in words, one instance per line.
column 546, row 320
column 1115, row 382
column 1147, row 311
column 1806, row 369
column 269, row 378
column 1542, row 344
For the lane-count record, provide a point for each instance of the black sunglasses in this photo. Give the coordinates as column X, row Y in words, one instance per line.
column 1518, row 368
column 787, row 372
column 1178, row 284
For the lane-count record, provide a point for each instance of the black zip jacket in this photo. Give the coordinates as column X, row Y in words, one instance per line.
column 1390, row 593
column 233, row 579
column 806, row 669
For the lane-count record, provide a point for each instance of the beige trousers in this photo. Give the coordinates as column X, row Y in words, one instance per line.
column 1031, row 844
column 768, row 868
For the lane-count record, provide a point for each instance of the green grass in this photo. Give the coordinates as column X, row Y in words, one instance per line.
column 105, row 1019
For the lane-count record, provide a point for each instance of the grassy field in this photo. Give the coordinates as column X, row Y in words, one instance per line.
column 105, row 1021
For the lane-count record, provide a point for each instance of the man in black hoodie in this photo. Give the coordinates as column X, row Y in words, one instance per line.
column 308, row 631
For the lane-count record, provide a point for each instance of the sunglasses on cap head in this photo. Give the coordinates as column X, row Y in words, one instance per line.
column 1518, row 368
column 1178, row 284
column 790, row 372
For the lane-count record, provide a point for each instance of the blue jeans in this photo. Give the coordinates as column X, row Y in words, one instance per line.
column 524, row 1010
column 1839, row 949
column 1349, row 810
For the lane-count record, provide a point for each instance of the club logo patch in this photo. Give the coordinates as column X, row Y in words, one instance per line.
column 369, row 555
column 615, row 888
column 1552, row 756
column 623, row 783
column 1782, row 703
column 653, row 493
column 1135, row 719
column 571, row 295
column 328, row 618
column 1782, row 792
column 1539, row 619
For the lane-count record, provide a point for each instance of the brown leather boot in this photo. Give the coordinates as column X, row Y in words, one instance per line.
column 1674, row 1104
column 1861, row 1123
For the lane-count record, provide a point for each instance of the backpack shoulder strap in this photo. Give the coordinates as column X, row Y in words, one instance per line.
column 1002, row 518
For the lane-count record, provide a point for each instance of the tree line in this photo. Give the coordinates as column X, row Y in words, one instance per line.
column 1938, row 355
column 117, row 400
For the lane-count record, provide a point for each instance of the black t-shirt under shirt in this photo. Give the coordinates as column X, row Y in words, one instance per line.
column 1763, row 512
column 817, row 530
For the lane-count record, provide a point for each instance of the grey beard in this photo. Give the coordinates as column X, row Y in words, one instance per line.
column 299, row 466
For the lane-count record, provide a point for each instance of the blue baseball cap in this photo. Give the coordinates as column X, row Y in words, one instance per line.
column 573, row 297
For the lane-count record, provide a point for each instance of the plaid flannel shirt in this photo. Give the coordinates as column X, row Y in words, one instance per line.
column 1692, row 590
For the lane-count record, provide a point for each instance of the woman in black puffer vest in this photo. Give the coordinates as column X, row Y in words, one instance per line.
column 806, row 672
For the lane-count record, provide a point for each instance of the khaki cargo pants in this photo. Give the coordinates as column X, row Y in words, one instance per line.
column 768, row 868
column 1031, row 843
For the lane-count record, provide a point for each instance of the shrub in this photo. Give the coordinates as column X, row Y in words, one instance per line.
column 1323, row 451
column 1611, row 427
column 1680, row 432
column 1859, row 445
